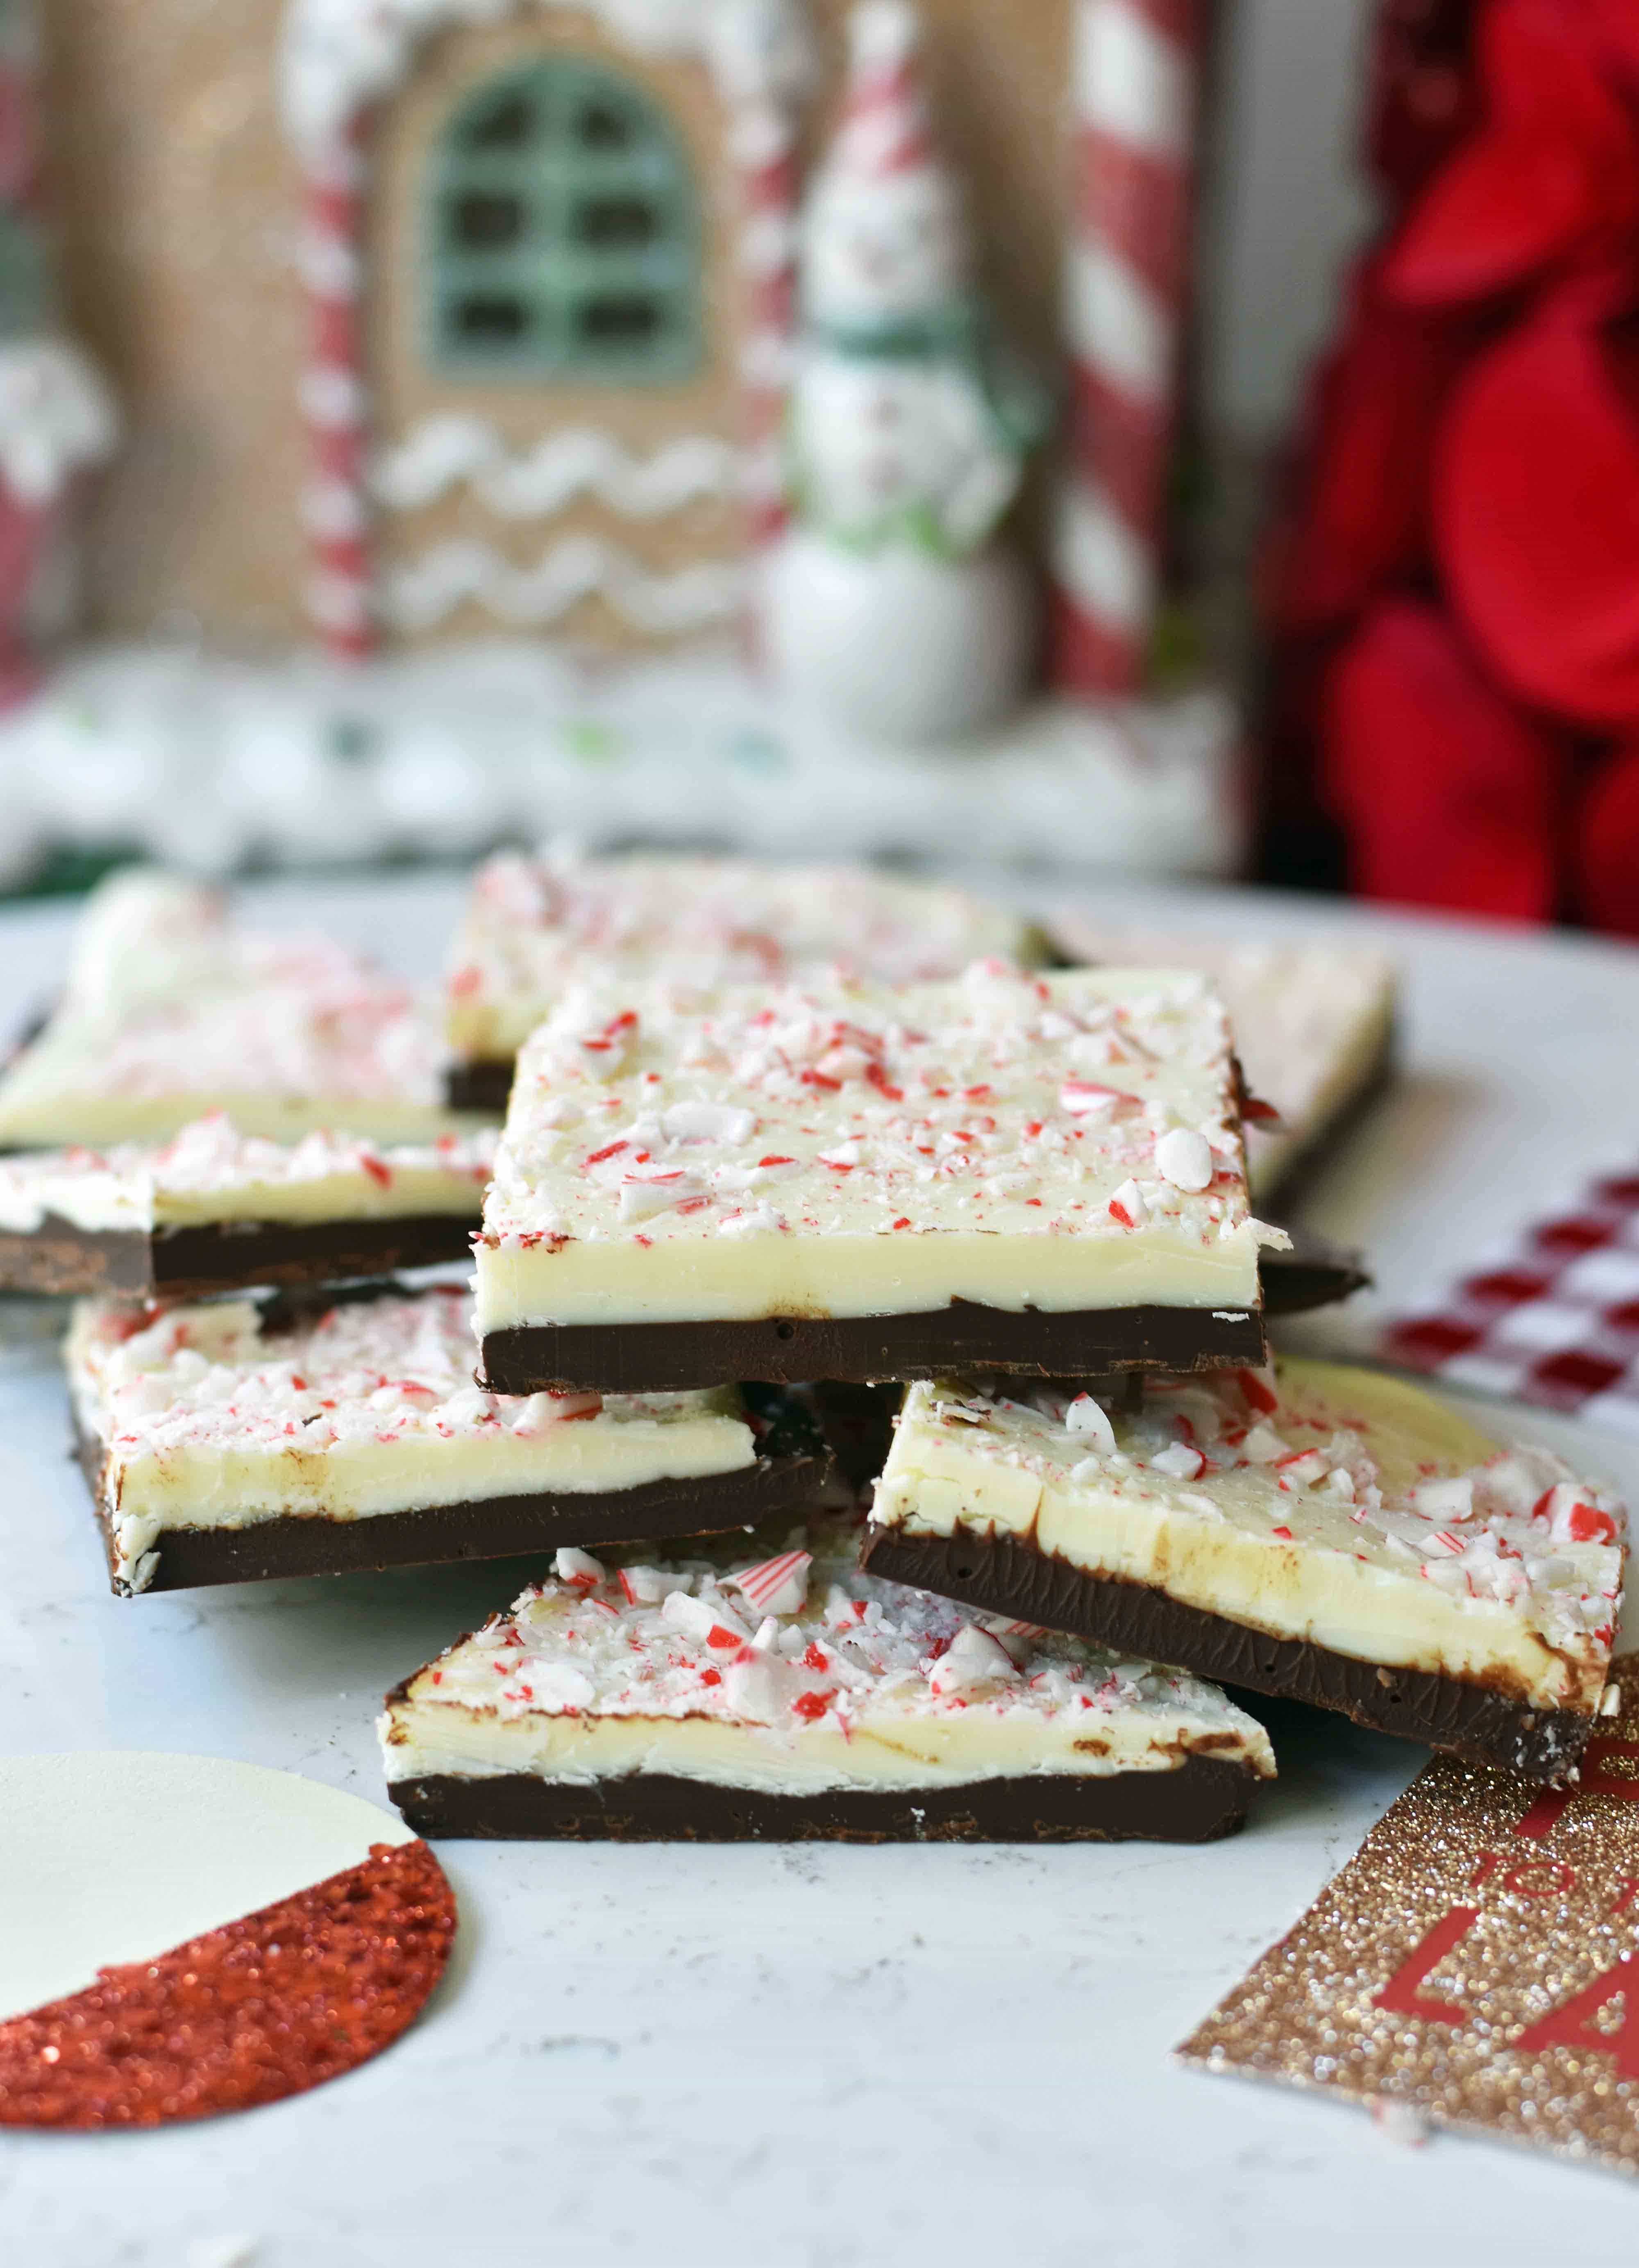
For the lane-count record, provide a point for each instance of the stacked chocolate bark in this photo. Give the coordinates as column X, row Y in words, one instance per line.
column 913, row 1281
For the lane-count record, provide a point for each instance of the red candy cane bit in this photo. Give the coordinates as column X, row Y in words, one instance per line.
column 816, row 1657
column 609, row 1149
column 1588, row 1526
column 724, row 1640
column 380, row 1172
column 875, row 1076
column 711, row 1677
column 812, row 1704
column 1285, row 1533
column 1257, row 1393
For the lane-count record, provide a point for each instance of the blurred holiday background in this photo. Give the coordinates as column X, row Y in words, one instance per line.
column 1142, row 436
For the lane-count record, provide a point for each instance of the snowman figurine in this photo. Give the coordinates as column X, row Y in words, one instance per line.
column 893, row 607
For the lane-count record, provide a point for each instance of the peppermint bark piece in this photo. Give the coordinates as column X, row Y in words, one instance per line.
column 169, row 1012
column 232, row 1442
column 848, row 1181
column 797, row 1698
column 1313, row 1025
column 214, row 1210
column 1331, row 1534
column 534, row 928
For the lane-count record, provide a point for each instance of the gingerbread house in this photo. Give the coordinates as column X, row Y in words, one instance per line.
column 450, row 322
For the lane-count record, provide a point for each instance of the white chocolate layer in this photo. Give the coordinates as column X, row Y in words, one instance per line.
column 1059, row 1142
column 804, row 1675
column 169, row 1014
column 1342, row 1507
column 206, row 1421
column 212, row 1173
column 534, row 928
column 1311, row 1023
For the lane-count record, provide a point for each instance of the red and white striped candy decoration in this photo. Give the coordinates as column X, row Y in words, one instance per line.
column 762, row 148
column 1134, row 75
column 777, row 1586
column 334, row 399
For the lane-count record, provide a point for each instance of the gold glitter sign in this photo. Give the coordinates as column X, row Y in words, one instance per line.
column 1477, row 1960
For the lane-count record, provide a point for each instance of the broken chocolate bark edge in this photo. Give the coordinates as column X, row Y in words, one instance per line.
column 1001, row 1575
column 1196, row 1800
column 662, row 1357
column 186, row 1263
column 484, row 1528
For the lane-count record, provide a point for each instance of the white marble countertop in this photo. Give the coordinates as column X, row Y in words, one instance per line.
column 665, row 2056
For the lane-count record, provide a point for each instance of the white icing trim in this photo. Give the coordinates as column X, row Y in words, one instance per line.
column 337, row 56
column 424, row 591
column 446, row 450
column 56, row 416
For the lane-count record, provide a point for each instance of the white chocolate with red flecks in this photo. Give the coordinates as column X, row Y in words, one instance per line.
column 534, row 928
column 169, row 1013
column 210, row 1172
column 847, row 1683
column 1063, row 1142
column 207, row 1418
column 1331, row 1504
column 1311, row 1023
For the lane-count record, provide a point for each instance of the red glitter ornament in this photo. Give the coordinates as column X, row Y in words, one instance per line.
column 268, row 2007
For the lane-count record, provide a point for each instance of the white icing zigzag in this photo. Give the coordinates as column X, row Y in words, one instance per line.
column 442, row 451
column 424, row 591
column 337, row 56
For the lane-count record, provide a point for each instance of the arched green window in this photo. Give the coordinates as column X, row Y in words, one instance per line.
column 563, row 232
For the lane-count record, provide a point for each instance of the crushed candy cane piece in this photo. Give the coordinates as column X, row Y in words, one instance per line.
column 973, row 1657
column 1088, row 1420
column 778, row 1585
column 579, row 1569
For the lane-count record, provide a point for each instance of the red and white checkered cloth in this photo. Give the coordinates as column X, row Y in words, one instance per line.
column 1552, row 1317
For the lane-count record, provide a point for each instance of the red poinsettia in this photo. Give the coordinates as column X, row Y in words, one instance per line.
column 1450, row 797
column 1464, row 547
column 1549, row 173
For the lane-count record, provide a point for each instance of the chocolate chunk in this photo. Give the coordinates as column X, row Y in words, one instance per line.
column 482, row 1083
column 1003, row 1576
column 1315, row 1273
column 1197, row 1801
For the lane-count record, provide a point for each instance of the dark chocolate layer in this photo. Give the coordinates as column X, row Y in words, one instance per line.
column 1197, row 1801
column 487, row 1528
column 1315, row 1273
column 178, row 1263
column 1003, row 1576
column 658, row 1358
column 480, row 1083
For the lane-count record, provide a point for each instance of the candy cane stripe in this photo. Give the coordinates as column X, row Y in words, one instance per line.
column 1133, row 80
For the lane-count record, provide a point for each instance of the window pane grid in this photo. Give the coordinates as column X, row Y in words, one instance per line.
column 561, row 232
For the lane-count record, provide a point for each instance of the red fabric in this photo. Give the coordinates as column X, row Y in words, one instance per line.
column 1537, row 515
column 1450, row 796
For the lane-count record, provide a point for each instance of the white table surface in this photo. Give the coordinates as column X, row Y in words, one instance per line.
column 769, row 2056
